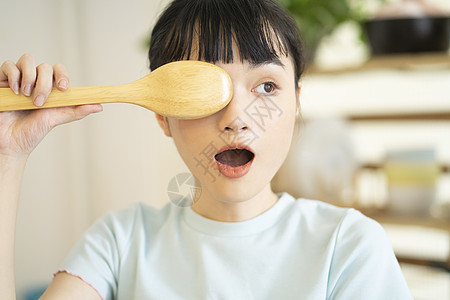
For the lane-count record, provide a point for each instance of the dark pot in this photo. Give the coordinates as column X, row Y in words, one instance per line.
column 409, row 35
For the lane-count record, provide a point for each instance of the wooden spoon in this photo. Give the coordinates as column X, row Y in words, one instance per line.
column 182, row 89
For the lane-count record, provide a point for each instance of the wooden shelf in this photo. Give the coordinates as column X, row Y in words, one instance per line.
column 408, row 62
column 385, row 217
column 425, row 116
column 378, row 166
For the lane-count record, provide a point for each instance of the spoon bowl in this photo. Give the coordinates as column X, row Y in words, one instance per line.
column 183, row 89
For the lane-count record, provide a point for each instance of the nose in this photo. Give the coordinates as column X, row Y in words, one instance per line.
column 236, row 126
column 234, row 119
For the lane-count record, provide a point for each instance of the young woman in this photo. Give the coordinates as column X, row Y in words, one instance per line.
column 238, row 239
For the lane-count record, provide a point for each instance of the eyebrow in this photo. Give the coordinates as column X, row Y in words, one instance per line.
column 275, row 61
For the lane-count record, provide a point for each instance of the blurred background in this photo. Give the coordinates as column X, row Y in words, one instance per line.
column 374, row 132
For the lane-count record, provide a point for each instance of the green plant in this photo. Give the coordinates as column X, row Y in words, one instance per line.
column 318, row 18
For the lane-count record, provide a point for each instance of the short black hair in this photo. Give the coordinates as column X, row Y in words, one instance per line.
column 261, row 29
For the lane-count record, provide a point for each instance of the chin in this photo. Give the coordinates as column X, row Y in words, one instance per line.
column 238, row 190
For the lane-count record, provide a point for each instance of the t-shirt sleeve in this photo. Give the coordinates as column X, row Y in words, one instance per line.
column 96, row 257
column 364, row 265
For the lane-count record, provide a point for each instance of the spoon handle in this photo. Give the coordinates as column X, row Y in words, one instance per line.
column 182, row 89
column 72, row 96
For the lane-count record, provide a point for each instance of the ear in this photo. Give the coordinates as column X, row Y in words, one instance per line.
column 164, row 124
column 297, row 96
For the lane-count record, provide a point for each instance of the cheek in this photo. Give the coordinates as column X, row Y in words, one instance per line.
column 191, row 137
column 188, row 131
column 283, row 132
column 284, row 123
column 280, row 133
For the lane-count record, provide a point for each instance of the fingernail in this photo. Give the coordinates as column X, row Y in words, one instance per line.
column 15, row 88
column 27, row 90
column 39, row 101
column 63, row 84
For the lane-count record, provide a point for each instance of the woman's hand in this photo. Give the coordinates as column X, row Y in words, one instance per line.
column 21, row 131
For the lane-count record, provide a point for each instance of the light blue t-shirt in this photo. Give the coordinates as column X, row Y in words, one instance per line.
column 298, row 249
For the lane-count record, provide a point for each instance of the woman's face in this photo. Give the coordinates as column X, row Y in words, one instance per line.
column 235, row 152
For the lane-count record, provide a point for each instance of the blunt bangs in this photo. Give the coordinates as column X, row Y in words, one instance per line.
column 206, row 30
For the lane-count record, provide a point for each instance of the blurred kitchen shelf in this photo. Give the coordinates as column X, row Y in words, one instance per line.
column 374, row 166
column 424, row 116
column 408, row 62
column 388, row 218
column 385, row 217
column 400, row 62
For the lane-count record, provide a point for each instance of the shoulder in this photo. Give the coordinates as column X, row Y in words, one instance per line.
column 358, row 227
column 137, row 214
column 316, row 208
column 363, row 264
column 98, row 256
column 317, row 213
column 347, row 228
column 326, row 223
column 120, row 226
column 351, row 225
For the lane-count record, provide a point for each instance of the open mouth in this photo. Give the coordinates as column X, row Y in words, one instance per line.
column 234, row 162
column 234, row 157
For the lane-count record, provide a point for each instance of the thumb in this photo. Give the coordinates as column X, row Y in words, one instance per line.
column 62, row 115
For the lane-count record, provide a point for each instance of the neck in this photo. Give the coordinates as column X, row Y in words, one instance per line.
column 234, row 210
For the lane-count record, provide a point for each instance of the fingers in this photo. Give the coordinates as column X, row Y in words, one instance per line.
column 61, row 77
column 62, row 115
column 10, row 76
column 33, row 81
column 27, row 67
column 46, row 75
column 44, row 84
